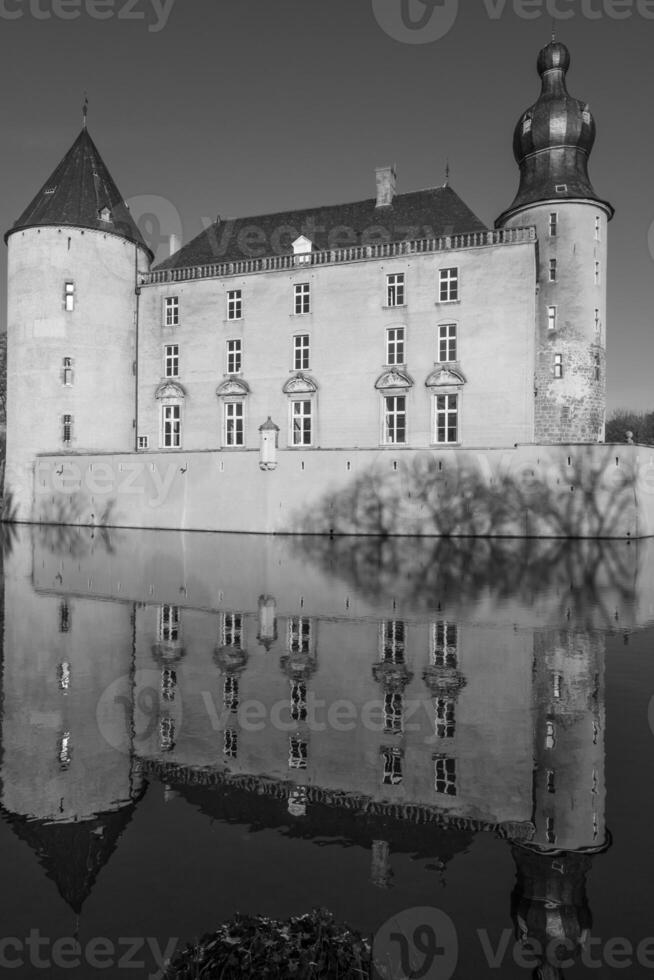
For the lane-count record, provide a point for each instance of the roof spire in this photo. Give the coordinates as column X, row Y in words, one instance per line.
column 447, row 173
column 553, row 30
column 85, row 110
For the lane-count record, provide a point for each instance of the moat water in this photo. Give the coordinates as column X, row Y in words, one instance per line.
column 447, row 744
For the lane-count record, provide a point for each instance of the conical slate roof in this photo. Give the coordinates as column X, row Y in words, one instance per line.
column 77, row 193
column 73, row 853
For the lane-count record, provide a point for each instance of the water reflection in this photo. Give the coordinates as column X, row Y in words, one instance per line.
column 397, row 695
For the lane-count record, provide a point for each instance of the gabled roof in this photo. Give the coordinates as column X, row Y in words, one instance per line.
column 429, row 213
column 76, row 193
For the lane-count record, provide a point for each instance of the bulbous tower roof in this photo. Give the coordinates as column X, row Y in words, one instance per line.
column 553, row 140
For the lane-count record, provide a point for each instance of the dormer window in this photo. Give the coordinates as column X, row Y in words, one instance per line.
column 526, row 124
column 105, row 214
column 50, row 190
column 561, row 188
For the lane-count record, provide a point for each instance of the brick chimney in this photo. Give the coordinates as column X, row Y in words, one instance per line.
column 386, row 181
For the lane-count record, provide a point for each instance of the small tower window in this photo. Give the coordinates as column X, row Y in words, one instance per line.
column 558, row 365
column 597, row 320
column 597, row 228
column 66, row 429
column 551, row 317
column 598, row 372
column 67, row 371
column 552, row 270
column 554, row 224
column 597, row 273
column 69, row 296
column 526, row 124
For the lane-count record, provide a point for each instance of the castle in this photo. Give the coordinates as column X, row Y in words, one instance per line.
column 305, row 370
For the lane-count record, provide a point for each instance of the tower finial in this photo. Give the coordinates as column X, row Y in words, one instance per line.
column 447, row 173
column 553, row 30
column 85, row 109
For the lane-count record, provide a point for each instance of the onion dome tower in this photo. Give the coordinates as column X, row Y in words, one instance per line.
column 74, row 256
column 552, row 144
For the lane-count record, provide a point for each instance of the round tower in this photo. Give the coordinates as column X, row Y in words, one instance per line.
column 73, row 258
column 552, row 145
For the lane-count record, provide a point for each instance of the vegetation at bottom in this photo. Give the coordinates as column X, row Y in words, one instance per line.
column 306, row 947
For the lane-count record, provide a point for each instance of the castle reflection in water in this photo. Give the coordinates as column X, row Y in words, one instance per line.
column 387, row 691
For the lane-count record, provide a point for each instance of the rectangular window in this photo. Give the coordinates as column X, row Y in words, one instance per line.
column 234, row 435
column 445, row 775
column 67, row 429
column 67, row 371
column 230, row 743
column 395, row 289
column 69, row 296
column 303, row 298
column 234, row 304
column 597, row 273
column 299, row 635
column 445, row 723
column 298, row 751
column 552, row 270
column 301, row 423
column 556, row 684
column 554, row 224
column 171, row 311
column 447, row 418
column 551, row 317
column 169, row 624
column 597, row 320
column 447, row 342
column 171, row 418
column 551, row 836
column 301, row 352
column 230, row 694
column 171, row 361
column 393, row 713
column 395, row 346
column 444, row 644
column 551, row 781
column 64, row 617
column 394, row 420
column 392, row 641
column 298, row 701
column 558, row 365
column 231, row 630
column 550, row 735
column 144, row 442
column 449, row 285
column 597, row 229
column 168, row 684
column 234, row 356
column 392, row 766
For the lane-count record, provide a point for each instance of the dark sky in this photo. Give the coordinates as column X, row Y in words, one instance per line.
column 239, row 107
